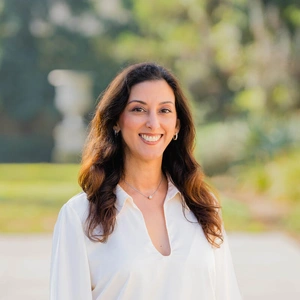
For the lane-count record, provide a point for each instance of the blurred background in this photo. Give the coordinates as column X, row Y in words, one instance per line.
column 239, row 64
column 238, row 60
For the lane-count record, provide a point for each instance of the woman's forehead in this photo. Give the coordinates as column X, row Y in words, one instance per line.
column 152, row 90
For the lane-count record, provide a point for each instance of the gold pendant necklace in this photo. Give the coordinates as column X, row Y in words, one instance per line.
column 148, row 197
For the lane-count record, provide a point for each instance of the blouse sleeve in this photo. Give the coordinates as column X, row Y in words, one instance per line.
column 70, row 275
column 226, row 283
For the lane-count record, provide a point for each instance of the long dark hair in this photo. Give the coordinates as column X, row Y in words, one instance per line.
column 103, row 161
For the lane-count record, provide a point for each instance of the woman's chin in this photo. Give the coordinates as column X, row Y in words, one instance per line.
column 150, row 157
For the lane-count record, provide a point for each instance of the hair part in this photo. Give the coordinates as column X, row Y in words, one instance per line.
column 102, row 164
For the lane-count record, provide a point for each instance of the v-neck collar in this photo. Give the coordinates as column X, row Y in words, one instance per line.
column 123, row 197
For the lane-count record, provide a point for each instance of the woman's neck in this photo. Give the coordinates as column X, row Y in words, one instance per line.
column 144, row 176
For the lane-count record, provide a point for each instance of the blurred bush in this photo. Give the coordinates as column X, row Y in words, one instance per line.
column 24, row 148
column 221, row 145
column 225, row 146
column 277, row 179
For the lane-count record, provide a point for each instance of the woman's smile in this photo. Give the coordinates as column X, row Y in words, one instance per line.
column 149, row 119
column 152, row 139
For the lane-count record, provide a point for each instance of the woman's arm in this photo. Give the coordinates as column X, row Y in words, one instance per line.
column 70, row 274
column 226, row 283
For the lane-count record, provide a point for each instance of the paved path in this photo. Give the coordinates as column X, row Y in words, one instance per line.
column 267, row 266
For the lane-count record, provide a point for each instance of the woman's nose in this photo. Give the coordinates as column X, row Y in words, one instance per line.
column 153, row 121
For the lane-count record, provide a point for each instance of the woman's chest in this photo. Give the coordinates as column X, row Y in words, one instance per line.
column 130, row 250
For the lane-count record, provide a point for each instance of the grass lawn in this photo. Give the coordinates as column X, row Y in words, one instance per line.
column 32, row 194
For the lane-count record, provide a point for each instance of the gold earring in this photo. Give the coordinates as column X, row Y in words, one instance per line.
column 175, row 137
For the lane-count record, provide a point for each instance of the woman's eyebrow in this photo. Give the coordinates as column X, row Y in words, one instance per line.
column 144, row 103
column 138, row 101
column 167, row 102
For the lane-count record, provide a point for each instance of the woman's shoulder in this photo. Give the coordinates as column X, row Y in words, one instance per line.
column 78, row 204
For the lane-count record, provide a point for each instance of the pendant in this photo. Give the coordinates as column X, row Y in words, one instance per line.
column 150, row 197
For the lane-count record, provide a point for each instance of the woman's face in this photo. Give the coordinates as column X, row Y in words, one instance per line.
column 149, row 120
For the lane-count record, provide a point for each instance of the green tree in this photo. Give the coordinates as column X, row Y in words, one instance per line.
column 233, row 56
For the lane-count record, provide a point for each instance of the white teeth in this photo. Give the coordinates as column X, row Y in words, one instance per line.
column 152, row 138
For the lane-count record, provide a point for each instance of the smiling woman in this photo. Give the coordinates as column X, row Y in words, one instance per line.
column 146, row 225
column 149, row 119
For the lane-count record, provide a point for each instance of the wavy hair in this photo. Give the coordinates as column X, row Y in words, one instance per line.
column 102, row 164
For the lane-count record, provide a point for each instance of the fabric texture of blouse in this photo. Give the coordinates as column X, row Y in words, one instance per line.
column 128, row 266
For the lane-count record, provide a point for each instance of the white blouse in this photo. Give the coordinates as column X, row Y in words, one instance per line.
column 128, row 266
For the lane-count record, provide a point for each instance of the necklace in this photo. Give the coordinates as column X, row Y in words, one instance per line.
column 148, row 197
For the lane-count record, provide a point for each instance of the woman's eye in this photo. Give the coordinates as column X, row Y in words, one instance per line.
column 138, row 109
column 165, row 110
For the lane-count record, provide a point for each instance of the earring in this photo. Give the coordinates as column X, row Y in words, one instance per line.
column 175, row 137
column 116, row 132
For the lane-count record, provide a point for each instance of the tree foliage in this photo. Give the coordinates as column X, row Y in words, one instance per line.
column 236, row 58
column 233, row 56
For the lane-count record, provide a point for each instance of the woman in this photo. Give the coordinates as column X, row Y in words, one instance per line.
column 146, row 225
